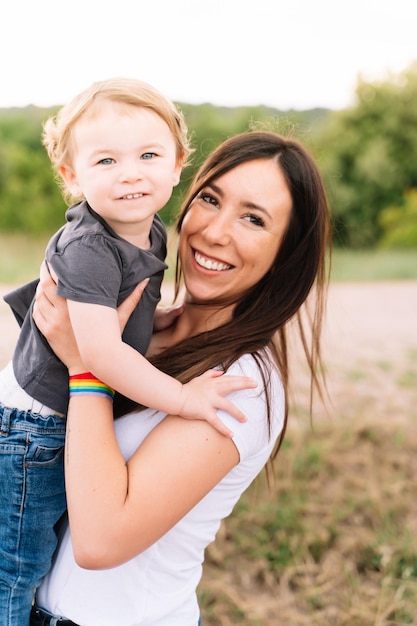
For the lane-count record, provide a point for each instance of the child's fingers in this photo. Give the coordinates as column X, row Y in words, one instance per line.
column 226, row 384
column 219, row 426
column 228, row 406
column 212, row 374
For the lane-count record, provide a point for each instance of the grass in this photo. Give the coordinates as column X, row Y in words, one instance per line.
column 333, row 543
column 374, row 265
column 21, row 255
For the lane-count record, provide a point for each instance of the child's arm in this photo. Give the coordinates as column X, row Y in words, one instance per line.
column 123, row 368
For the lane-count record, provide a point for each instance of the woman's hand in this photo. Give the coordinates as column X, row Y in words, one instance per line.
column 50, row 314
column 125, row 309
column 166, row 317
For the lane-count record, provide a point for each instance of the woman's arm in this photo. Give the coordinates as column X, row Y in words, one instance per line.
column 118, row 509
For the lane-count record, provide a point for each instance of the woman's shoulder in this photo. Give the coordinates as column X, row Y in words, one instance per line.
column 260, row 366
column 264, row 406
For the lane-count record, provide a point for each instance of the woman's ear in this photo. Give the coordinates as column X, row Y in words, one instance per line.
column 69, row 177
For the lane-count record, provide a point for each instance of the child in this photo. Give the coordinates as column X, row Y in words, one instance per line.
column 118, row 148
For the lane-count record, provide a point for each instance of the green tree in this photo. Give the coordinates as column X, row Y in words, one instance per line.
column 29, row 198
column 209, row 125
column 399, row 223
column 370, row 156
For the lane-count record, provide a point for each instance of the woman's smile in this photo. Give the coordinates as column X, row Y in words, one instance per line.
column 209, row 263
column 232, row 231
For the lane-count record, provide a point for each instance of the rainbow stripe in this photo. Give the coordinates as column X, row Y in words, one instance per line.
column 87, row 384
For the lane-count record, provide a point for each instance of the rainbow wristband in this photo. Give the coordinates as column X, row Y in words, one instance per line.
column 87, row 384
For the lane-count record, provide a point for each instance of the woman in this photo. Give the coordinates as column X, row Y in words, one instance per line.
column 147, row 492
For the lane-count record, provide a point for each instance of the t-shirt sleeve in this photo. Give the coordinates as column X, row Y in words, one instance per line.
column 252, row 437
column 89, row 270
column 20, row 299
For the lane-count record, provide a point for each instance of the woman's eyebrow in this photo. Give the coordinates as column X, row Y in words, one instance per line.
column 257, row 207
column 247, row 205
column 215, row 188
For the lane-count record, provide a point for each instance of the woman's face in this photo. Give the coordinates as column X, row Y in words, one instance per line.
column 232, row 231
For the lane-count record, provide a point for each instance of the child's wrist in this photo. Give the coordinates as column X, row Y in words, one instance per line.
column 86, row 384
column 182, row 399
column 75, row 370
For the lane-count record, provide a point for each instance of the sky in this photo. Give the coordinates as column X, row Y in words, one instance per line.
column 292, row 54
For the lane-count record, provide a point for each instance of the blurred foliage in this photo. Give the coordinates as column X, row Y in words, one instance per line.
column 367, row 153
column 369, row 161
column 30, row 201
column 399, row 223
column 209, row 125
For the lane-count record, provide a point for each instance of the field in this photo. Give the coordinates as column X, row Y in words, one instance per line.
column 333, row 542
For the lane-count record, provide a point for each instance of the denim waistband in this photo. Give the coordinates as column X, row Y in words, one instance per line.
column 40, row 617
column 14, row 419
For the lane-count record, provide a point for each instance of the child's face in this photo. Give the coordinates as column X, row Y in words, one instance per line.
column 125, row 165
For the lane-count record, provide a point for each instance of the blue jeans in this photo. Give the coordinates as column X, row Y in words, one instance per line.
column 32, row 497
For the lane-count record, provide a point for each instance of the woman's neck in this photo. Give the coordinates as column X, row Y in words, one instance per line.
column 195, row 318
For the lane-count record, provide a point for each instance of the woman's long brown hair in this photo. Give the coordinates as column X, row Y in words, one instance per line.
column 261, row 316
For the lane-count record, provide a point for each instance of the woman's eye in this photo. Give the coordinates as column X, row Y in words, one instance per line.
column 148, row 155
column 254, row 219
column 207, row 197
column 106, row 161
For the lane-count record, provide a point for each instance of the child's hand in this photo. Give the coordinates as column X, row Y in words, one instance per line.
column 204, row 394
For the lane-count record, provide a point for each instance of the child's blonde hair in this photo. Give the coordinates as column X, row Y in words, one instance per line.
column 58, row 129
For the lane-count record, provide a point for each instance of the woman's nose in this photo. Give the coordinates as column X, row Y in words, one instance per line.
column 218, row 228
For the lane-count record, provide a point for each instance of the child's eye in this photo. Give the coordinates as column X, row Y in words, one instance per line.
column 148, row 155
column 254, row 219
column 107, row 161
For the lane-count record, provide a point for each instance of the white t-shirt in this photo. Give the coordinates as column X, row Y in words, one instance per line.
column 158, row 587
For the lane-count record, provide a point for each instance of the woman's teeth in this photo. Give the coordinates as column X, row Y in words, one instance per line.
column 211, row 265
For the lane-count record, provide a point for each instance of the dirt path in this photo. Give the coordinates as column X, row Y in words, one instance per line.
column 371, row 346
column 370, row 320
